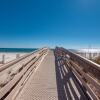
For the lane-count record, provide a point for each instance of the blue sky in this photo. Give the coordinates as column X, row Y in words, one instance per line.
column 38, row 23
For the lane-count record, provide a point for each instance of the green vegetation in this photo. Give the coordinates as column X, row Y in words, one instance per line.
column 97, row 60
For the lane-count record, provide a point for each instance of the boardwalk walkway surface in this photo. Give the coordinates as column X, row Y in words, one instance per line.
column 42, row 85
column 51, row 81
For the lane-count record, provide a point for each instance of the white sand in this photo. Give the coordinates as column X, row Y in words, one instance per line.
column 9, row 56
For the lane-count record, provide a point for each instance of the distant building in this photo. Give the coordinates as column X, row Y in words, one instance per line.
column 89, row 53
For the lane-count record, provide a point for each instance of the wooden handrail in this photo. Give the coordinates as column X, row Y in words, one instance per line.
column 86, row 71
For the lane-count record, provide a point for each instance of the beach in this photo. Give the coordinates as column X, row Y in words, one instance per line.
column 9, row 56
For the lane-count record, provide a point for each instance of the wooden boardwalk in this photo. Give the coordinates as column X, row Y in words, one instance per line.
column 51, row 81
column 50, row 75
column 42, row 85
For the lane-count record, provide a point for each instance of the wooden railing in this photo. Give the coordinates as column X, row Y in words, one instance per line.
column 86, row 71
column 5, row 91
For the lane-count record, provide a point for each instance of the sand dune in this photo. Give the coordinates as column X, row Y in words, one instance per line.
column 9, row 56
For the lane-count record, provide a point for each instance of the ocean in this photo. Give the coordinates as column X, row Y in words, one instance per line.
column 26, row 50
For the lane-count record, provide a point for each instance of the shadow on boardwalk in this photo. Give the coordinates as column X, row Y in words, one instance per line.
column 67, row 85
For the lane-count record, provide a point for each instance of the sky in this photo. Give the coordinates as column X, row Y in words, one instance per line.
column 38, row 23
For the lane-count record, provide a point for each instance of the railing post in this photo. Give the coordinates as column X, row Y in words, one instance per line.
column 17, row 55
column 3, row 58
